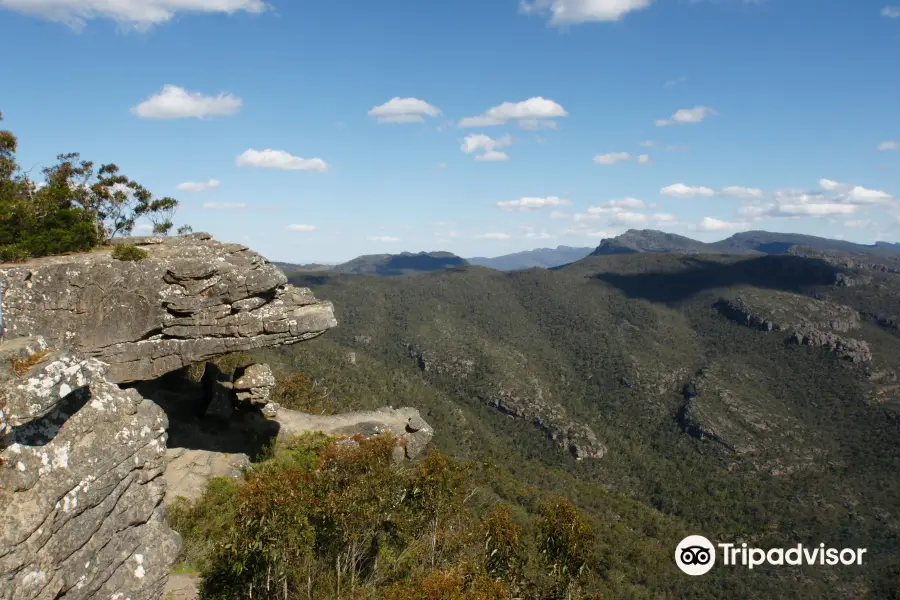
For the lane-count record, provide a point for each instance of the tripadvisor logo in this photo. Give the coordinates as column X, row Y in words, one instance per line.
column 696, row 555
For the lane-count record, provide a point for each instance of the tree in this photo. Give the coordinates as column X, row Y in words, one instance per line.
column 73, row 209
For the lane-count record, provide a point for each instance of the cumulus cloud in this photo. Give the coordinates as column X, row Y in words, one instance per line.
column 279, row 159
column 301, row 228
column 140, row 14
column 383, row 238
column 891, row 12
column 562, row 12
column 611, row 158
column 680, row 190
column 854, row 194
column 225, row 205
column 618, row 205
column 710, row 224
column 687, row 115
column 175, row 102
column 403, row 110
column 888, row 145
column 643, row 159
column 489, row 147
column 649, row 144
column 738, row 191
column 534, row 108
column 493, row 236
column 198, row 186
column 529, row 204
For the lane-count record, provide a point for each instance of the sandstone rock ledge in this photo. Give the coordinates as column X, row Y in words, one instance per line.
column 81, row 487
column 192, row 299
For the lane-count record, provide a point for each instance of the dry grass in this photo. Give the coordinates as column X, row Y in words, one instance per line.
column 20, row 367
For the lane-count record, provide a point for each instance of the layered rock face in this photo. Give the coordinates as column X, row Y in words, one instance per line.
column 81, row 487
column 191, row 300
column 82, row 459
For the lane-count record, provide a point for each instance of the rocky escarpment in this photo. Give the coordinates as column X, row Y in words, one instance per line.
column 81, row 486
column 522, row 400
column 82, row 458
column 809, row 322
column 192, row 299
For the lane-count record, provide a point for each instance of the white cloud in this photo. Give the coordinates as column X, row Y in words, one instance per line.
column 891, row 12
column 198, row 186
column 687, row 115
column 861, row 195
column 833, row 186
column 225, row 205
column 643, row 159
column 562, row 12
column 175, row 102
column 813, row 209
column 737, row 191
column 888, row 145
column 710, row 224
column 140, row 14
column 854, row 194
column 403, row 110
column 611, row 158
column 144, row 227
column 492, row 156
column 649, row 144
column 383, row 238
column 478, row 142
column 279, row 159
column 301, row 227
column 618, row 205
column 493, row 236
column 534, row 235
column 533, row 108
column 680, row 190
column 528, row 204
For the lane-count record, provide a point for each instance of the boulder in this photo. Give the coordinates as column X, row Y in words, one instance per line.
column 254, row 384
column 81, row 486
column 192, row 299
column 406, row 424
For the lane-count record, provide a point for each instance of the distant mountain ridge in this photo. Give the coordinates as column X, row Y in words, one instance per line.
column 748, row 242
column 388, row 265
column 546, row 258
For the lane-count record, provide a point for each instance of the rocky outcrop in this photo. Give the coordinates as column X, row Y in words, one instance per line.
column 809, row 322
column 406, row 424
column 254, row 384
column 846, row 348
column 81, row 487
column 82, row 459
column 192, row 299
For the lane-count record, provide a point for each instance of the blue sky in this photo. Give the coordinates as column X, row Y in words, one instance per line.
column 326, row 130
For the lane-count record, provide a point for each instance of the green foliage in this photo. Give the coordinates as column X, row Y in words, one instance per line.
column 297, row 392
column 129, row 252
column 74, row 209
column 612, row 340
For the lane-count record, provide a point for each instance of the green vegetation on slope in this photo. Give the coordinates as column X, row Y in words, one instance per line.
column 612, row 341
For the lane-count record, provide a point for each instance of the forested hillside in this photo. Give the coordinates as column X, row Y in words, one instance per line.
column 623, row 381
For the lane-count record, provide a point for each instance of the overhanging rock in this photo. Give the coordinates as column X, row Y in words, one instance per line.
column 192, row 299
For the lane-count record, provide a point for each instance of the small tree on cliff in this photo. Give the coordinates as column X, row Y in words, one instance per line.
column 74, row 209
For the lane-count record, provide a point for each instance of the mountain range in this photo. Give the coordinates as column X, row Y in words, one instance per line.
column 748, row 390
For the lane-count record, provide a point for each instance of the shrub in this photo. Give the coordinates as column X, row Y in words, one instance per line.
column 75, row 209
column 129, row 252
